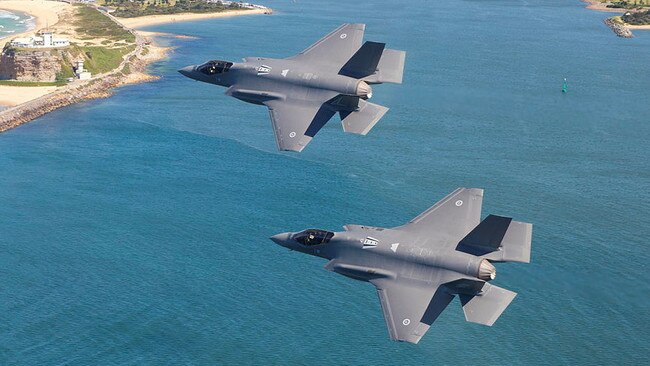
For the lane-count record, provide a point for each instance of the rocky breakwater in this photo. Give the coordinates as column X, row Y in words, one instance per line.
column 14, row 117
column 619, row 29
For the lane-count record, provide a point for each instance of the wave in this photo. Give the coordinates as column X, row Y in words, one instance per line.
column 7, row 15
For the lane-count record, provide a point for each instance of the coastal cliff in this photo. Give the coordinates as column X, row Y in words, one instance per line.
column 30, row 65
column 97, row 88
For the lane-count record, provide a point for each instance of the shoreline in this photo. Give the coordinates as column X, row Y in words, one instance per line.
column 147, row 20
column 22, row 104
column 44, row 12
column 598, row 6
column 620, row 29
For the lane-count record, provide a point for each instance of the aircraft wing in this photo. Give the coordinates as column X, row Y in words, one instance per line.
column 453, row 216
column 296, row 122
column 336, row 48
column 410, row 308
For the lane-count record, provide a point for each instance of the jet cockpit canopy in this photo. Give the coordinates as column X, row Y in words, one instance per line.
column 214, row 67
column 311, row 237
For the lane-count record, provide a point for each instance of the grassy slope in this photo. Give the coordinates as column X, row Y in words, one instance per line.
column 136, row 8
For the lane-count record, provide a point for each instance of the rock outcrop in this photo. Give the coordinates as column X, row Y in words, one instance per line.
column 66, row 95
column 30, row 65
column 618, row 28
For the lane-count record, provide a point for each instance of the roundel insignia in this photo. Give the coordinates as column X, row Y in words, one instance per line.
column 459, row 203
column 292, row 134
column 343, row 36
column 406, row 321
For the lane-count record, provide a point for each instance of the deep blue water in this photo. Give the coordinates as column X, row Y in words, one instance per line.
column 134, row 230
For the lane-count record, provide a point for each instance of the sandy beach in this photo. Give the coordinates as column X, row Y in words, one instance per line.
column 14, row 95
column 47, row 13
column 640, row 27
column 139, row 22
column 44, row 12
column 597, row 5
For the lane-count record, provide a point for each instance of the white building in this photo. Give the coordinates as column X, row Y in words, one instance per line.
column 79, row 70
column 44, row 40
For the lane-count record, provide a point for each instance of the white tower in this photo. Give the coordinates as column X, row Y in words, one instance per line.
column 47, row 39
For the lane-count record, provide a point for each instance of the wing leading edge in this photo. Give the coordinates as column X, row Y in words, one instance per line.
column 454, row 216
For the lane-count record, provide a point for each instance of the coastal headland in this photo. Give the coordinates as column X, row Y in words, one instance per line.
column 636, row 15
column 110, row 47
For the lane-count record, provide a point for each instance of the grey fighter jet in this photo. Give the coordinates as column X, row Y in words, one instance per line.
column 304, row 91
column 419, row 267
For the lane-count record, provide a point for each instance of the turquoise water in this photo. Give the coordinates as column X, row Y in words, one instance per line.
column 133, row 230
column 14, row 22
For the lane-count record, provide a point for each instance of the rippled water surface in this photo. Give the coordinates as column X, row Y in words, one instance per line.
column 134, row 230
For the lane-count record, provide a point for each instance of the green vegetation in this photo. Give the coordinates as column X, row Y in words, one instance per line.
column 30, row 83
column 629, row 4
column 617, row 19
column 93, row 24
column 116, row 41
column 640, row 18
column 136, row 8
column 99, row 59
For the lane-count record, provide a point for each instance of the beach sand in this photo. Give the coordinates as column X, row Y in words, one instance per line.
column 14, row 95
column 643, row 27
column 597, row 5
column 44, row 12
column 139, row 22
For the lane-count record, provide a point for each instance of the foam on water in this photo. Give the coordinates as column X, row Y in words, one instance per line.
column 12, row 22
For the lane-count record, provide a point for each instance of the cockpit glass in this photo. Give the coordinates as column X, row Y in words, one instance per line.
column 214, row 67
column 311, row 237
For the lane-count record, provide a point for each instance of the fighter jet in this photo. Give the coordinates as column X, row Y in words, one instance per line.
column 304, row 91
column 419, row 267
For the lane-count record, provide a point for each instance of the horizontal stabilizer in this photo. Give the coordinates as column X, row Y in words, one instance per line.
column 364, row 119
column 487, row 307
column 499, row 239
column 390, row 68
column 364, row 62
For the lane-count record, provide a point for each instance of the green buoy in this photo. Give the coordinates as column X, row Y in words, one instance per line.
column 565, row 86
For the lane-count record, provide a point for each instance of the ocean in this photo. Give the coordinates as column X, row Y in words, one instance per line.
column 14, row 22
column 134, row 229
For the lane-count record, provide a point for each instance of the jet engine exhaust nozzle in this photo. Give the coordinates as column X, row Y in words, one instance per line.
column 364, row 90
column 486, row 271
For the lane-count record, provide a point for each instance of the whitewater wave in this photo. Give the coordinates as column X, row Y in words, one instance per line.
column 7, row 15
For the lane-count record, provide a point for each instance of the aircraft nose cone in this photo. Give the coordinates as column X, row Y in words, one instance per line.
column 187, row 71
column 281, row 239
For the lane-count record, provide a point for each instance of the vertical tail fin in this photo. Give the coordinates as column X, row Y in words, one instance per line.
column 364, row 62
